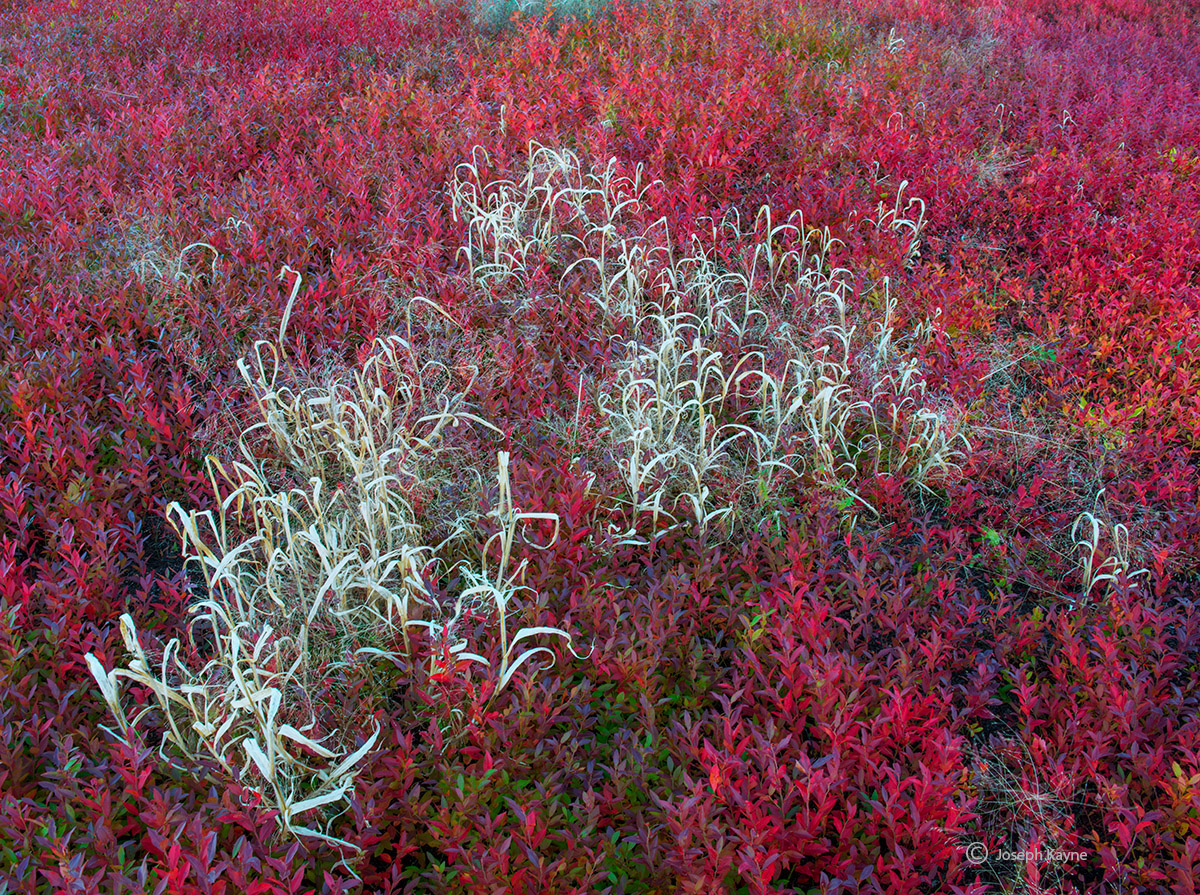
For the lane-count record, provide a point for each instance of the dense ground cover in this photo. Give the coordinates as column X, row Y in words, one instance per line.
column 817, row 385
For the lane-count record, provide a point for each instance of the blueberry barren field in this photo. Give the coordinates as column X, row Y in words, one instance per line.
column 657, row 448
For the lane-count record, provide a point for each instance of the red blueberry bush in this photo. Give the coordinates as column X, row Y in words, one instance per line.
column 693, row 447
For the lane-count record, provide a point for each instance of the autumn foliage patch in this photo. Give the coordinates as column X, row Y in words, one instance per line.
column 686, row 447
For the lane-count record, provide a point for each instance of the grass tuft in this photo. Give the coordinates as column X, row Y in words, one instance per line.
column 317, row 559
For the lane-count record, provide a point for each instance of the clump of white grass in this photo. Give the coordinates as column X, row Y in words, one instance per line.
column 669, row 411
column 512, row 223
column 850, row 400
column 241, row 709
column 666, row 424
column 834, row 392
column 832, row 400
column 1104, row 554
column 490, row 589
column 303, row 579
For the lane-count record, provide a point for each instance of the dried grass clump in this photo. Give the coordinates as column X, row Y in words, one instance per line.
column 830, row 397
column 724, row 382
column 302, row 581
column 666, row 422
column 490, row 589
column 1103, row 548
column 546, row 215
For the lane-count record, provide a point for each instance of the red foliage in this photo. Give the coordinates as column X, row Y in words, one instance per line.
column 794, row 712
